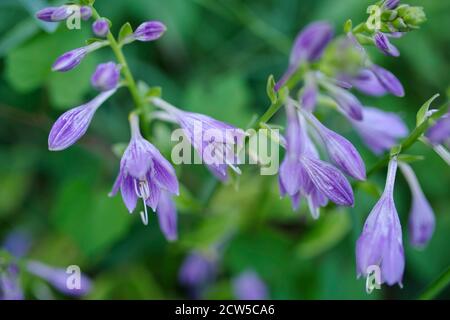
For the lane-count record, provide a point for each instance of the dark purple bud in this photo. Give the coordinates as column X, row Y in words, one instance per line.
column 384, row 45
column 106, row 76
column 100, row 27
column 249, row 286
column 440, row 131
column 46, row 14
column 149, row 31
column 368, row 83
column 391, row 4
column 69, row 60
column 388, row 80
column 85, row 12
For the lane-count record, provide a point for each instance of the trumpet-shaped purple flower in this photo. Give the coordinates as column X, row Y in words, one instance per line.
column 373, row 132
column 380, row 243
column 106, row 76
column 421, row 216
column 149, row 31
column 217, row 143
column 384, row 45
column 340, row 150
column 100, row 27
column 367, row 82
column 439, row 133
column 308, row 47
column 73, row 58
column 73, row 124
column 249, row 286
column 60, row 279
column 167, row 216
column 144, row 173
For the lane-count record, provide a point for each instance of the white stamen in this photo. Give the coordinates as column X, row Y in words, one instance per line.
column 144, row 215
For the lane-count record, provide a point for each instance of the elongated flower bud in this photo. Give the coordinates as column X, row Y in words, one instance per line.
column 46, row 14
column 106, row 76
column 73, row 58
column 388, row 80
column 384, row 45
column 100, row 27
column 149, row 31
column 366, row 82
column 391, row 4
column 72, row 125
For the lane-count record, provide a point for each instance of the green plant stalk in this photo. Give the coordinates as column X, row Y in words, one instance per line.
column 437, row 286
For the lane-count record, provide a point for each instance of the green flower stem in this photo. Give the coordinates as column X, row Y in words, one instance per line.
column 411, row 139
column 437, row 286
column 117, row 49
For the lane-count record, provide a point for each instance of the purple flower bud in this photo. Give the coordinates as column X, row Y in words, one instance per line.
column 380, row 243
column 372, row 129
column 69, row 60
column 308, row 46
column 329, row 181
column 46, row 14
column 60, row 279
column 100, row 27
column 85, row 12
column 197, row 270
column 340, row 150
column 167, row 216
column 391, row 4
column 440, row 131
column 144, row 173
column 72, row 124
column 106, row 76
column 149, row 31
column 62, row 13
column 383, row 44
column 421, row 216
column 249, row 286
column 10, row 288
column 368, row 83
column 347, row 102
column 388, row 80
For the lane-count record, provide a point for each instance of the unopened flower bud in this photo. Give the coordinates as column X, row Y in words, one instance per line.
column 100, row 27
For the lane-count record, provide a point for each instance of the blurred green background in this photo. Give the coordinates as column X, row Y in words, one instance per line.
column 215, row 58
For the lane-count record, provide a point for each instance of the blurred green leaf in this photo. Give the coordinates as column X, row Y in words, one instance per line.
column 422, row 113
column 125, row 31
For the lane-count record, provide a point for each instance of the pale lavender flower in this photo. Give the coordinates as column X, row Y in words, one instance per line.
column 380, row 243
column 308, row 47
column 144, row 173
column 367, row 82
column 348, row 104
column 388, row 80
column 73, row 124
column 391, row 4
column 60, row 279
column 308, row 96
column 439, row 133
column 217, row 143
column 384, row 45
column 100, row 27
column 10, row 287
column 73, row 58
column 62, row 13
column 249, row 286
column 149, row 31
column 167, row 216
column 421, row 216
column 341, row 151
column 106, row 77
column 197, row 270
column 379, row 129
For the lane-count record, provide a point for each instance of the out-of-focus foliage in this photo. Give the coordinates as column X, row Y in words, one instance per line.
column 215, row 59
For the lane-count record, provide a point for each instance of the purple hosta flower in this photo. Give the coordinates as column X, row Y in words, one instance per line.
column 146, row 174
column 61, row 13
column 380, row 243
column 10, row 288
column 340, row 150
column 17, row 243
column 149, row 31
column 384, row 45
column 72, row 124
column 421, row 216
column 439, row 133
column 249, row 286
column 379, row 129
column 100, row 27
column 308, row 46
column 63, row 281
column 197, row 270
column 388, row 80
column 71, row 59
column 46, row 14
column 367, row 82
column 85, row 12
column 217, row 143
column 167, row 216
column 346, row 101
column 106, row 76
column 391, row 4
column 308, row 96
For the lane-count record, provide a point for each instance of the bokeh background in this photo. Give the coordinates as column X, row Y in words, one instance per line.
column 215, row 58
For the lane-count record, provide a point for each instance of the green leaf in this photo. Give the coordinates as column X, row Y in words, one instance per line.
column 348, row 26
column 125, row 31
column 153, row 92
column 422, row 113
column 92, row 40
column 408, row 158
column 271, row 89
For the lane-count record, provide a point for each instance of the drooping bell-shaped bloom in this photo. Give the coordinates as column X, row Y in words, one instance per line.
column 100, row 27
column 73, row 124
column 149, row 31
column 144, row 173
column 348, row 104
column 249, row 286
column 379, row 129
column 167, row 216
column 367, row 82
column 65, row 282
column 73, row 58
column 388, row 80
column 197, row 270
column 380, row 243
column 308, row 46
column 217, row 143
column 439, row 133
column 384, row 45
column 341, row 151
column 421, row 216
column 10, row 287
column 106, row 76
